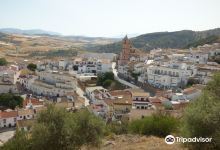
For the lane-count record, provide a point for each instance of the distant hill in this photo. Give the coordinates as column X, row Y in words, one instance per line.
column 178, row 39
column 28, row 32
column 44, row 42
column 92, row 40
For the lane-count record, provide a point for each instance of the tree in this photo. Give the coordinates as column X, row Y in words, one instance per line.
column 10, row 100
column 192, row 81
column 32, row 66
column 107, row 83
column 201, row 118
column 105, row 79
column 158, row 125
column 57, row 129
column 3, row 62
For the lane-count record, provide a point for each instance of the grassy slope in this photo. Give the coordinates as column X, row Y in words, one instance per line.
column 178, row 39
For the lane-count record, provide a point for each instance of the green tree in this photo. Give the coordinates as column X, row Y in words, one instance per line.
column 57, row 129
column 192, row 81
column 107, row 83
column 10, row 100
column 157, row 124
column 105, row 79
column 201, row 118
column 32, row 66
column 3, row 62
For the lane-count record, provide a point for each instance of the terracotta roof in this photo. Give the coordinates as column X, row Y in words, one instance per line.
column 32, row 101
column 121, row 97
column 154, row 100
column 139, row 93
column 8, row 114
column 190, row 90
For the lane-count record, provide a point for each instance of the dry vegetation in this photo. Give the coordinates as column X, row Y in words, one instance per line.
column 27, row 44
column 135, row 142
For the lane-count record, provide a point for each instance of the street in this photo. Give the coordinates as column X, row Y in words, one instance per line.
column 120, row 80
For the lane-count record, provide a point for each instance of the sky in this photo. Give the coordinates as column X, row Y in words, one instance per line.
column 110, row 18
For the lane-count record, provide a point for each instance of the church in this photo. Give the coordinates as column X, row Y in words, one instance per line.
column 128, row 53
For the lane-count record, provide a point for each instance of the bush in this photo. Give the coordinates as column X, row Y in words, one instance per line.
column 201, row 118
column 32, row 67
column 157, row 125
column 9, row 100
column 192, row 81
column 3, row 62
column 118, row 127
column 107, row 83
column 105, row 79
column 56, row 129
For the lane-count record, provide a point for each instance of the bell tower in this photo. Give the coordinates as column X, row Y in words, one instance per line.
column 126, row 47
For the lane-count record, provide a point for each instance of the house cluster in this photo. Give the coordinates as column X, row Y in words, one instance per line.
column 11, row 118
column 49, row 83
column 71, row 83
column 24, row 118
column 167, row 68
column 118, row 104
column 78, row 65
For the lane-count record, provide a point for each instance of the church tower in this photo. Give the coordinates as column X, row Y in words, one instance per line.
column 126, row 47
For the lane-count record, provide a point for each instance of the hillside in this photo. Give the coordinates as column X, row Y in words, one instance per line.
column 26, row 44
column 178, row 39
column 135, row 142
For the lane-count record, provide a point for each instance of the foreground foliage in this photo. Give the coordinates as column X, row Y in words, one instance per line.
column 56, row 129
column 202, row 117
column 158, row 125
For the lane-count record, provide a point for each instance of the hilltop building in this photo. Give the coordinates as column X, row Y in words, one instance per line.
column 129, row 53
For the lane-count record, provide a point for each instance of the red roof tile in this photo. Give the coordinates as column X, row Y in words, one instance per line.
column 5, row 114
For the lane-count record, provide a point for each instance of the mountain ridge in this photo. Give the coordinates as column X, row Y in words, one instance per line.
column 176, row 39
column 27, row 32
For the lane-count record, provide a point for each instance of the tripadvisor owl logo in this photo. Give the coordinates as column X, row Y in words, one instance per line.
column 169, row 139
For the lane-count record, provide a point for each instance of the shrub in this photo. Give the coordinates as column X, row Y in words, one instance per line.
column 157, row 124
column 32, row 67
column 201, row 118
column 3, row 62
column 118, row 127
column 56, row 129
column 9, row 100
column 107, row 83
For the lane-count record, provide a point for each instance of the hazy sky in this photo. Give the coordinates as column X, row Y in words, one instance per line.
column 110, row 17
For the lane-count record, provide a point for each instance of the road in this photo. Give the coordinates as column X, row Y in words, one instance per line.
column 80, row 92
column 121, row 80
column 5, row 136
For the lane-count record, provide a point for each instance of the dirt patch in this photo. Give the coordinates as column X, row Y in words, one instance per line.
column 135, row 142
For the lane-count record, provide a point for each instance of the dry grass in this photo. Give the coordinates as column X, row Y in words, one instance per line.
column 135, row 142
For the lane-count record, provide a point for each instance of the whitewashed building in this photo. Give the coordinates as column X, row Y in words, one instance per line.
column 8, row 118
column 172, row 75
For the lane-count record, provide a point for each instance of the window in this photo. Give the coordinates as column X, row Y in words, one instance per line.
column 14, row 119
column 4, row 120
